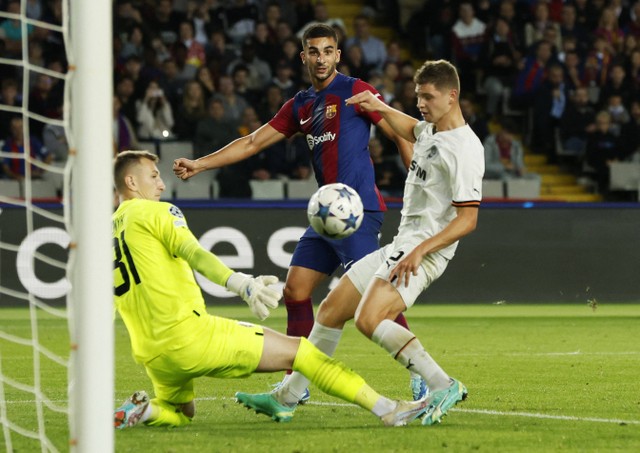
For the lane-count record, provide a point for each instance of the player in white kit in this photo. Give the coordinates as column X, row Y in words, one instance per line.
column 440, row 206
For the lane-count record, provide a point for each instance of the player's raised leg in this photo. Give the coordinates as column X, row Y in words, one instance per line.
column 379, row 305
column 329, row 375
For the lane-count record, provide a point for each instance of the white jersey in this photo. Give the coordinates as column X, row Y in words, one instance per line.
column 445, row 173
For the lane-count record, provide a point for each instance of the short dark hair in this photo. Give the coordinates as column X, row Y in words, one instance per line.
column 440, row 73
column 124, row 160
column 318, row 31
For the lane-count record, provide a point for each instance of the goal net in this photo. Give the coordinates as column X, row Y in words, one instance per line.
column 56, row 317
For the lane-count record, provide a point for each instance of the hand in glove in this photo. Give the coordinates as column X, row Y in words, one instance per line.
column 255, row 292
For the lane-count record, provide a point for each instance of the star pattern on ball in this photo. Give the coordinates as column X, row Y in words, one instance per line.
column 344, row 193
column 351, row 221
column 323, row 212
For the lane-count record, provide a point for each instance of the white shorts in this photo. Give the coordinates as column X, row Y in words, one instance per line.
column 380, row 263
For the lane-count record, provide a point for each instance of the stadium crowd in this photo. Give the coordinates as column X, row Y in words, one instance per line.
column 207, row 71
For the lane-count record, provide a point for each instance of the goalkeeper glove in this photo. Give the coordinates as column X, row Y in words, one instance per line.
column 255, row 292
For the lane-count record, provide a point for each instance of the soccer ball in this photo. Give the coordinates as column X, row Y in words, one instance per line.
column 335, row 211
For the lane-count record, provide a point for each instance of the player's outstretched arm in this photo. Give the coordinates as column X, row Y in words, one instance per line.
column 239, row 149
column 255, row 291
column 400, row 122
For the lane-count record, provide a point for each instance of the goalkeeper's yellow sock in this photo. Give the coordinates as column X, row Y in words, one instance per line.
column 166, row 414
column 335, row 379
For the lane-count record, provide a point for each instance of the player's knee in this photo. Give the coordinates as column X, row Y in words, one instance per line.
column 366, row 323
column 332, row 314
column 294, row 293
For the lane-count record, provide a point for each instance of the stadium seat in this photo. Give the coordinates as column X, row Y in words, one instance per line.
column 41, row 188
column 301, row 189
column 271, row 189
column 523, row 188
column 492, row 188
column 193, row 189
column 10, row 188
column 174, row 150
column 624, row 176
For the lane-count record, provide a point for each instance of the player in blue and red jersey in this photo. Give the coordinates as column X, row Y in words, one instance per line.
column 338, row 138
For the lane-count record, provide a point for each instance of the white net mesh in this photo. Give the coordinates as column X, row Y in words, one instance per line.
column 35, row 226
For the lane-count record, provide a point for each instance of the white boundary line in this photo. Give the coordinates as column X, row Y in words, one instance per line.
column 468, row 411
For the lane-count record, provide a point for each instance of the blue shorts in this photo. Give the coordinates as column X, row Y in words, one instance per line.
column 325, row 255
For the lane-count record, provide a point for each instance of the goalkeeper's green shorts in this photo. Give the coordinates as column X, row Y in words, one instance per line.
column 225, row 348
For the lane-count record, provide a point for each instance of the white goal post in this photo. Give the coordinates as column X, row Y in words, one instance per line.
column 91, row 378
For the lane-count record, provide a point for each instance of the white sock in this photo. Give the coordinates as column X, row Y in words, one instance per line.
column 406, row 349
column 383, row 406
column 325, row 339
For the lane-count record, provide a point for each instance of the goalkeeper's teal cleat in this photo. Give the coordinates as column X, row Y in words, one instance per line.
column 405, row 412
column 266, row 403
column 129, row 413
column 442, row 400
column 419, row 389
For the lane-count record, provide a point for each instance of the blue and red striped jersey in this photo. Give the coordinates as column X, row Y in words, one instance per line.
column 337, row 135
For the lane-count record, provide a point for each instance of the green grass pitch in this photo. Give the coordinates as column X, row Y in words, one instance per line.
column 540, row 378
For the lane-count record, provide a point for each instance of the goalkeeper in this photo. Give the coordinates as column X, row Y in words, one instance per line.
column 172, row 334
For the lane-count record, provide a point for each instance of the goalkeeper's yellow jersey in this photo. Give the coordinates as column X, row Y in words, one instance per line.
column 155, row 290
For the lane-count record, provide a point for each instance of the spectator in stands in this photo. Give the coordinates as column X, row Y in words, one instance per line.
column 503, row 154
column 630, row 144
column 44, row 101
column 14, row 167
column 619, row 113
column 124, row 90
column 305, row 12
column 609, row 30
column 468, row 38
column 135, row 43
column 196, row 56
column 271, row 103
column 11, row 31
column 632, row 28
column 572, row 65
column 475, row 121
column 241, row 18
column 219, row 55
column 55, row 141
column 634, row 71
column 166, row 22
column 9, row 97
column 500, row 56
column 124, row 135
column 321, row 15
column 191, row 110
column 577, row 122
column 215, row 130
column 355, row 60
column 374, row 51
column 602, row 149
column 570, row 28
column 617, row 85
column 283, row 79
column 233, row 103
column 429, row 28
column 540, row 23
column 598, row 62
column 390, row 81
column 155, row 116
column 172, row 85
column 259, row 70
column 205, row 78
column 388, row 173
column 240, row 78
column 548, row 107
column 291, row 54
column 532, row 71
column 265, row 45
column 198, row 14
